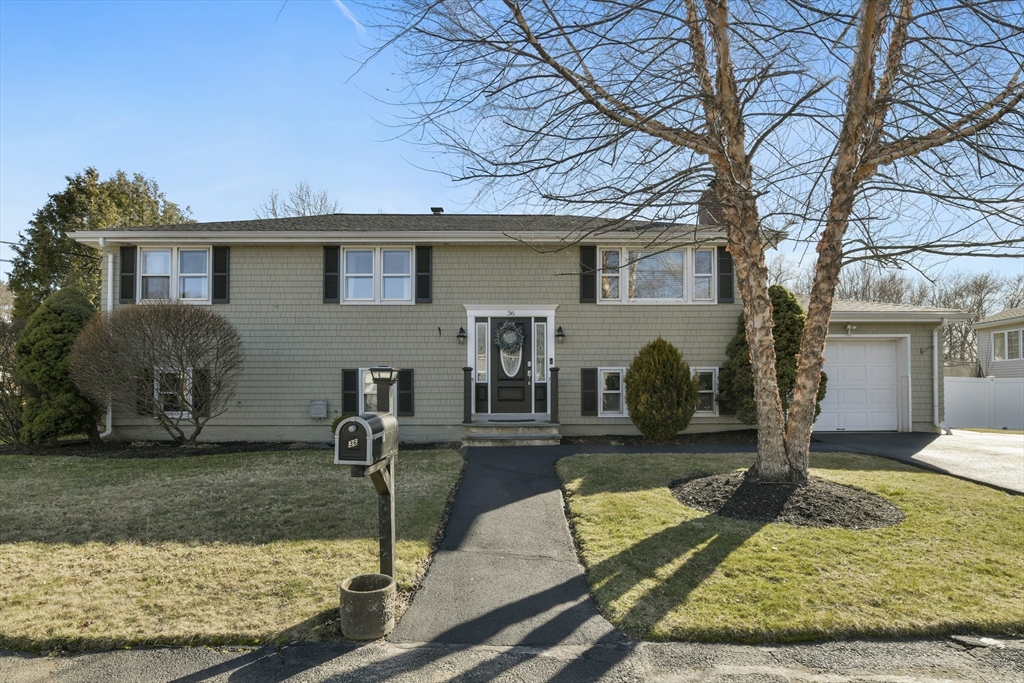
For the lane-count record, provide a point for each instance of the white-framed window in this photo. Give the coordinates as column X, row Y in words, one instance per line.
column 707, row 390
column 540, row 340
column 172, row 390
column 175, row 274
column 703, row 274
column 1006, row 345
column 611, row 387
column 376, row 275
column 368, row 393
column 685, row 275
column 610, row 274
column 483, row 343
column 193, row 275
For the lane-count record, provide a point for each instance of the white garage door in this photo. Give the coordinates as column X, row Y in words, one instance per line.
column 862, row 392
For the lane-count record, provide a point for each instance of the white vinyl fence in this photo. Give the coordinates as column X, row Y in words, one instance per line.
column 994, row 402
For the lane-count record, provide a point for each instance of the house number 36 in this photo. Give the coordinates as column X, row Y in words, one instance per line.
column 511, row 312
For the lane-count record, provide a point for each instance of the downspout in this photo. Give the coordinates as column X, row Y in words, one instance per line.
column 109, row 308
column 936, row 353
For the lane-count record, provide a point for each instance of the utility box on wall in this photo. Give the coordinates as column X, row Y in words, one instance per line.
column 318, row 408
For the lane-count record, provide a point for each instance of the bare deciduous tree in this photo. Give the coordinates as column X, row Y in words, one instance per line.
column 1014, row 297
column 886, row 130
column 12, row 393
column 6, row 301
column 978, row 293
column 173, row 362
column 867, row 281
column 302, row 201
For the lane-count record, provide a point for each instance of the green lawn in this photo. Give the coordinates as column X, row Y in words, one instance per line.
column 663, row 571
column 241, row 548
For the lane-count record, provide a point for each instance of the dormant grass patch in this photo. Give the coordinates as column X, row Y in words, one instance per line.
column 664, row 571
column 209, row 549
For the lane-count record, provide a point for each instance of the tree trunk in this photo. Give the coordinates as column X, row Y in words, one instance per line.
column 773, row 463
column 819, row 310
column 94, row 434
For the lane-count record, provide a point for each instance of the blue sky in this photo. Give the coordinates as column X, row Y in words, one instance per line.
column 219, row 102
column 216, row 101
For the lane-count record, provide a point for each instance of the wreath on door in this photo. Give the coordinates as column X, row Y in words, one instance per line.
column 509, row 337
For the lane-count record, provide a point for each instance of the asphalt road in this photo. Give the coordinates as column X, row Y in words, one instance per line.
column 981, row 660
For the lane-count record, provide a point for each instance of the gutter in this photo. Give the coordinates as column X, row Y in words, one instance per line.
column 936, row 352
column 559, row 238
column 109, row 308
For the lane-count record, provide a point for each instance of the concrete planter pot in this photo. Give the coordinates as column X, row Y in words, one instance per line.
column 367, row 606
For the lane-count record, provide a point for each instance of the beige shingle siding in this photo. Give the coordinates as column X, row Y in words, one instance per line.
column 296, row 346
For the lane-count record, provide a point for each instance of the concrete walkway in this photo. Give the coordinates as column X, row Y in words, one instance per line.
column 985, row 457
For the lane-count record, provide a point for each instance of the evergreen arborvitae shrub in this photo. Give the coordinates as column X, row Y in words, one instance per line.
column 53, row 406
column 661, row 393
column 736, row 378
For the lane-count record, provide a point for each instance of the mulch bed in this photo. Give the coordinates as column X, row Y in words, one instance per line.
column 818, row 503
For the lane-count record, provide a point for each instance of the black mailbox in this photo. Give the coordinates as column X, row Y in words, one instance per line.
column 365, row 439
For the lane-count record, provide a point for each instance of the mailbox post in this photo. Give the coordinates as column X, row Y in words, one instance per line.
column 369, row 444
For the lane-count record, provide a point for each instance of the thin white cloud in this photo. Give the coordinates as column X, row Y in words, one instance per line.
column 348, row 14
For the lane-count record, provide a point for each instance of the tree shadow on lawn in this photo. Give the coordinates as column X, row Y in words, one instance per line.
column 241, row 507
column 705, row 543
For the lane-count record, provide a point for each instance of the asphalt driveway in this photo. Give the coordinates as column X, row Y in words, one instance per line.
column 990, row 458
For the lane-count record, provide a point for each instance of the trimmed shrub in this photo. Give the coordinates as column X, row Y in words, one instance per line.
column 661, row 392
column 736, row 378
column 53, row 406
column 173, row 362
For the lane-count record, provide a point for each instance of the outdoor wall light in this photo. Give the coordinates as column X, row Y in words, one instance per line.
column 461, row 336
column 383, row 373
column 559, row 335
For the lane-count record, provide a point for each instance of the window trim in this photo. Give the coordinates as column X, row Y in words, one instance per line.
column 377, row 276
column 689, row 277
column 174, row 274
column 158, row 372
column 1005, row 334
column 601, row 392
column 714, row 391
column 361, row 384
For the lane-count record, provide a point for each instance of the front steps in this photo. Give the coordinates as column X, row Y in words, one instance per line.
column 526, row 432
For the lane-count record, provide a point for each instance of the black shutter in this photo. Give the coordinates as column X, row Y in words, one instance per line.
column 424, row 275
column 127, row 275
column 588, row 276
column 405, row 404
column 725, row 285
column 221, row 263
column 144, row 393
column 332, row 275
column 349, row 392
column 588, row 393
column 201, row 392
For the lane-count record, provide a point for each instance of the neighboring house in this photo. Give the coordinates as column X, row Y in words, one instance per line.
column 1000, row 351
column 319, row 300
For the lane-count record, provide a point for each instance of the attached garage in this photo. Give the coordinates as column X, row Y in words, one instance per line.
column 863, row 386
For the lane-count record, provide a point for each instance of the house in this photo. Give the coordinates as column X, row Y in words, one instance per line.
column 999, row 344
column 502, row 322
